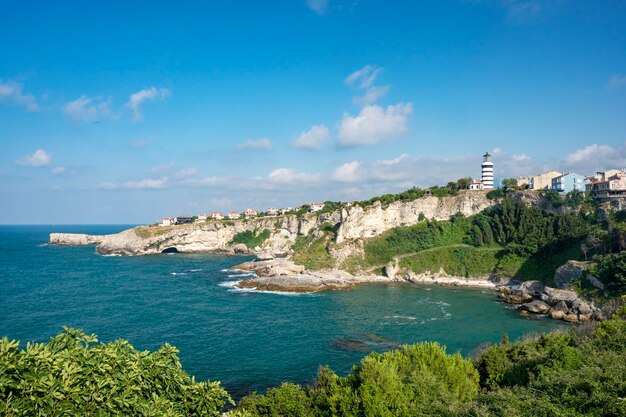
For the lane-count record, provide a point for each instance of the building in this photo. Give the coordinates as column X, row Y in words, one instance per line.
column 166, row 221
column 313, row 207
column 216, row 215
column 201, row 218
column 475, row 186
column 272, row 212
column 286, row 210
column 568, row 182
column 233, row 215
column 250, row 213
column 543, row 181
column 487, row 172
column 183, row 220
column 524, row 182
column 612, row 187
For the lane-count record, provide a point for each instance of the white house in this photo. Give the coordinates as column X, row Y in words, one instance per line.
column 216, row 215
column 476, row 186
column 285, row 210
column 272, row 212
column 233, row 215
column 250, row 212
column 166, row 221
column 201, row 218
column 316, row 207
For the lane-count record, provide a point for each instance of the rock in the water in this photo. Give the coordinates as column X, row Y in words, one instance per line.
column 532, row 287
column 553, row 296
column 515, row 296
column 240, row 248
column 537, row 307
column 571, row 318
column 582, row 307
column 264, row 256
column 351, row 344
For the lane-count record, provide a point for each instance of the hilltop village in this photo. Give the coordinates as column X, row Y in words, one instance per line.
column 601, row 185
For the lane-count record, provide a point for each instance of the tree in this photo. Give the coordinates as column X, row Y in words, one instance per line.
column 510, row 183
column 464, row 183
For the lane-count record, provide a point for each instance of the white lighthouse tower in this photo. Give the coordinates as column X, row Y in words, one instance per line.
column 487, row 167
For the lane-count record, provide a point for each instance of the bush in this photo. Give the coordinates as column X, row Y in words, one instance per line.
column 250, row 238
column 73, row 375
column 414, row 380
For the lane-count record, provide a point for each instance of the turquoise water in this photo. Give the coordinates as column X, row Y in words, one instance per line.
column 248, row 340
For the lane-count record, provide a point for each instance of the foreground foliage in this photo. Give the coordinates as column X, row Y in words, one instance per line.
column 73, row 375
column 579, row 373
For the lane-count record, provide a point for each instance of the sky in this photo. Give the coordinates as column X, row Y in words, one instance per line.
column 127, row 112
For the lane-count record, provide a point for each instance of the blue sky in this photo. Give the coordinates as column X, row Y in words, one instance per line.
column 125, row 113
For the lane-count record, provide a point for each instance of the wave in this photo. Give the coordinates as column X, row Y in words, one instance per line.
column 401, row 317
column 232, row 287
column 43, row 245
column 111, row 254
column 247, row 274
column 178, row 273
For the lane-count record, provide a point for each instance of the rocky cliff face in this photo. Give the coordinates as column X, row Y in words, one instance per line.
column 354, row 224
column 205, row 237
column 74, row 239
column 365, row 222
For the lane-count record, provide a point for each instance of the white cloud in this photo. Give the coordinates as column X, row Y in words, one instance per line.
column 520, row 157
column 38, row 159
column 161, row 168
column 261, row 144
column 145, row 184
column 58, row 170
column 617, row 81
column 89, row 109
column 590, row 152
column 204, row 182
column 348, row 172
column 372, row 95
column 289, row 176
column 12, row 92
column 594, row 158
column 374, row 124
column 318, row 6
column 364, row 77
column 403, row 157
column 186, row 173
column 313, row 138
column 148, row 94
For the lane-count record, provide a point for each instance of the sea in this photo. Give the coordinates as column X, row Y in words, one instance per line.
column 249, row 340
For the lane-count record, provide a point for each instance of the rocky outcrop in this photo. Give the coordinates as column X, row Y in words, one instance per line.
column 74, row 239
column 365, row 222
column 205, row 237
column 534, row 297
column 574, row 271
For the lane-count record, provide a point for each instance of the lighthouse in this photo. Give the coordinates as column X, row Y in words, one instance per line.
column 487, row 166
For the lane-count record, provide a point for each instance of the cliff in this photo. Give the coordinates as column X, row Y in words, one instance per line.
column 352, row 223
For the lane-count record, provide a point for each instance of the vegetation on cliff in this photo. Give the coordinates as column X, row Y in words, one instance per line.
column 251, row 238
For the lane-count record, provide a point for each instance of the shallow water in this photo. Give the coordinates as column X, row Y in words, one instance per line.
column 246, row 339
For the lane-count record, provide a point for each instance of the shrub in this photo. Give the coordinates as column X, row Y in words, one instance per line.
column 250, row 238
column 73, row 375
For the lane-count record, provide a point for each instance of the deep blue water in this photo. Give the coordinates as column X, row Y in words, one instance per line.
column 247, row 340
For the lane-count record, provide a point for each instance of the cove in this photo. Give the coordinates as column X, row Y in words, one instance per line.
column 246, row 339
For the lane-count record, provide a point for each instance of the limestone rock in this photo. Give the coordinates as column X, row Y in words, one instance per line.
column 553, row 296
column 390, row 270
column 264, row 256
column 537, row 307
column 573, row 271
column 532, row 287
column 74, row 239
